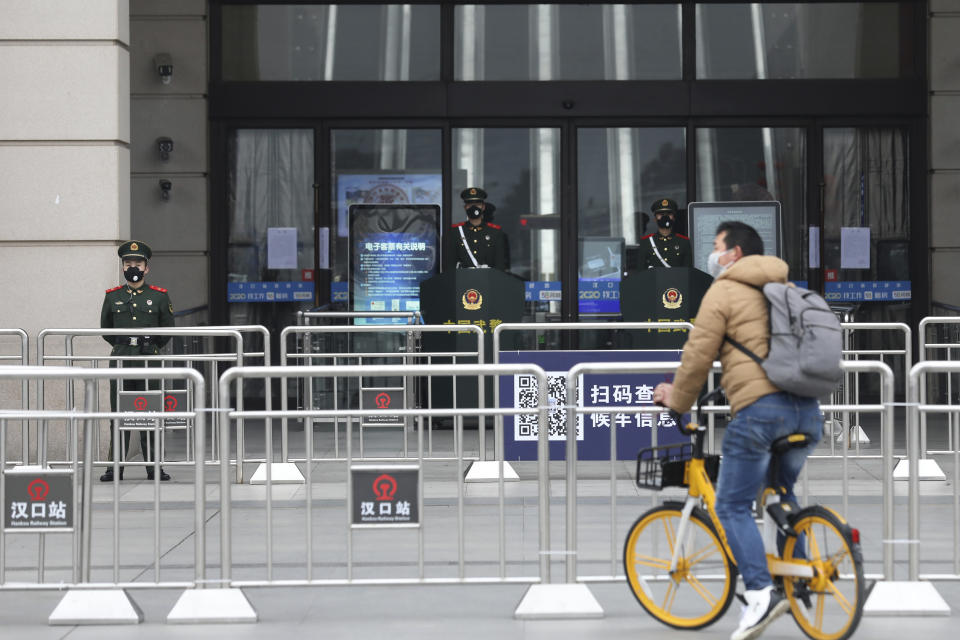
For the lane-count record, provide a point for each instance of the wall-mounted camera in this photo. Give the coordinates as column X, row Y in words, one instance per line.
column 164, row 64
column 165, row 187
column 165, row 147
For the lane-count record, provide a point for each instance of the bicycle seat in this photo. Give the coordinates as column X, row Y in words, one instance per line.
column 792, row 441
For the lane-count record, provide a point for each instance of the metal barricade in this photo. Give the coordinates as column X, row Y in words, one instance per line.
column 23, row 359
column 302, row 556
column 851, row 432
column 945, row 341
column 918, row 405
column 81, row 564
column 409, row 356
column 210, row 360
column 884, row 408
column 306, row 318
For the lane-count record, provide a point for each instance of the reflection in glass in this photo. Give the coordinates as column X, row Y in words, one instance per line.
column 758, row 163
column 567, row 42
column 520, row 171
column 380, row 166
column 396, row 42
column 621, row 171
column 270, row 173
column 798, row 40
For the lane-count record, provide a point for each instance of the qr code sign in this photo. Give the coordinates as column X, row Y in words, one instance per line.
column 525, row 391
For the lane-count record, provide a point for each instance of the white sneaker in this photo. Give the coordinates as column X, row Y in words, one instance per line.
column 763, row 607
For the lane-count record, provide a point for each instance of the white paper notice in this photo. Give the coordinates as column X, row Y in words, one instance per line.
column 855, row 247
column 813, row 248
column 323, row 247
column 282, row 248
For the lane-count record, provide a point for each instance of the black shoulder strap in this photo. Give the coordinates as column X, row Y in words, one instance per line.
column 739, row 346
column 752, row 355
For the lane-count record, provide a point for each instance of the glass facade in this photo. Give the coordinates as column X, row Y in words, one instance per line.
column 567, row 42
column 311, row 43
column 574, row 118
column 791, row 40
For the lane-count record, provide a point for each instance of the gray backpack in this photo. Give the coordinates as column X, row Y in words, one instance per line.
column 806, row 344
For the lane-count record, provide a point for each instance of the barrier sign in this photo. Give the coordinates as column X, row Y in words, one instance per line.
column 634, row 391
column 385, row 495
column 36, row 499
column 132, row 401
column 381, row 399
column 175, row 400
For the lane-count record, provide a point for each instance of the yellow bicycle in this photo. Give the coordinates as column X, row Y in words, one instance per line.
column 680, row 568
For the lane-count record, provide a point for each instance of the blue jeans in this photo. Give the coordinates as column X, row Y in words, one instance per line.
column 744, row 468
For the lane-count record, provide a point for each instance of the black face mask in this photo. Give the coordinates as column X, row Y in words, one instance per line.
column 474, row 212
column 665, row 222
column 133, row 274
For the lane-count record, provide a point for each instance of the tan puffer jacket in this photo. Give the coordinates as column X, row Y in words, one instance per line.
column 731, row 308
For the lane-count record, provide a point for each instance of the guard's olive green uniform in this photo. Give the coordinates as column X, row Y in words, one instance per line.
column 674, row 249
column 143, row 308
column 487, row 243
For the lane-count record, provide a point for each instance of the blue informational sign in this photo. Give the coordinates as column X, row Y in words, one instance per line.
column 542, row 291
column 867, row 291
column 634, row 391
column 339, row 292
column 599, row 295
column 269, row 292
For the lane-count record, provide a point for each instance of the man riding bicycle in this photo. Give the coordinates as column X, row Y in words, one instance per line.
column 735, row 307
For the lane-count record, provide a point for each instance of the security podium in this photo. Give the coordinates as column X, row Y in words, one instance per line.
column 662, row 295
column 482, row 297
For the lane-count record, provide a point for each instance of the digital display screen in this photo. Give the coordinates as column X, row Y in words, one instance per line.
column 601, row 267
column 393, row 248
column 764, row 216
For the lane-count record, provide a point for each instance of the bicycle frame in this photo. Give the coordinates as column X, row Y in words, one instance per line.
column 700, row 491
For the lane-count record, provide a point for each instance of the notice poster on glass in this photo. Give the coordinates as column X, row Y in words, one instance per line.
column 370, row 187
column 704, row 217
column 393, row 248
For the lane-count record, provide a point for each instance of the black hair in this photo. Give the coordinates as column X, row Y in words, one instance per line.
column 741, row 235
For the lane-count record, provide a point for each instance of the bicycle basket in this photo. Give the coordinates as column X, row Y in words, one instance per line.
column 659, row 467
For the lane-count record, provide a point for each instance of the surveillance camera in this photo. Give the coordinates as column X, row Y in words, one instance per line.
column 165, row 187
column 165, row 146
column 164, row 66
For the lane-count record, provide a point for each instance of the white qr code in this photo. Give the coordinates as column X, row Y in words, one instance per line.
column 525, row 390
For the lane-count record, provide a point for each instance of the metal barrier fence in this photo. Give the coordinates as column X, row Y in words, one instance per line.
column 885, row 409
column 23, row 359
column 81, row 562
column 307, row 317
column 208, row 360
column 851, row 432
column 303, row 556
column 411, row 354
column 945, row 341
column 918, row 405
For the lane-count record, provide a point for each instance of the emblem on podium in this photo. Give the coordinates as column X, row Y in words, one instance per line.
column 472, row 300
column 672, row 298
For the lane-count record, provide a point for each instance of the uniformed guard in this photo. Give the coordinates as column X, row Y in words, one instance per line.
column 135, row 305
column 665, row 249
column 476, row 243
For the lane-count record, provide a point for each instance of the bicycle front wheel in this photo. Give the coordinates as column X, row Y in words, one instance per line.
column 700, row 588
column 829, row 605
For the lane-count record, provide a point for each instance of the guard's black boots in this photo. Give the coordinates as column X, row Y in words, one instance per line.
column 164, row 476
column 108, row 475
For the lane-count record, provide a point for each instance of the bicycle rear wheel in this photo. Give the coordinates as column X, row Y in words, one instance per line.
column 700, row 589
column 829, row 605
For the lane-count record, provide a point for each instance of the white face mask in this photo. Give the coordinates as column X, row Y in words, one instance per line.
column 713, row 263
